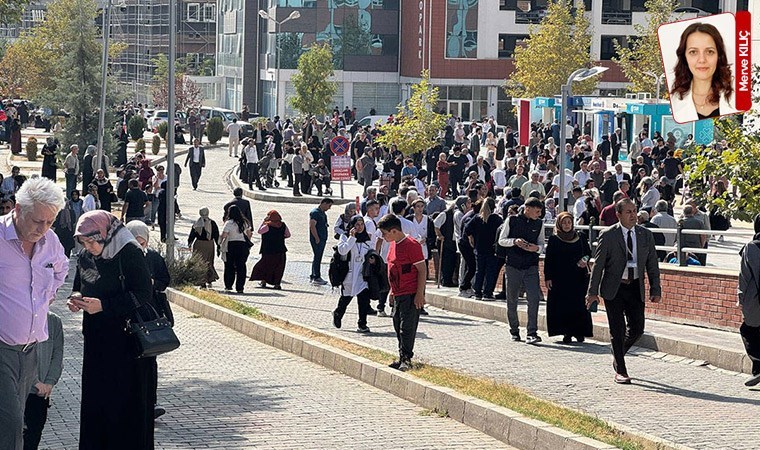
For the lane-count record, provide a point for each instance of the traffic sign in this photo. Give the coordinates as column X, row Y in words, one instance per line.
column 339, row 145
column 340, row 168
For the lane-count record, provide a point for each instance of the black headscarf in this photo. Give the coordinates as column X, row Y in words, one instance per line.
column 360, row 237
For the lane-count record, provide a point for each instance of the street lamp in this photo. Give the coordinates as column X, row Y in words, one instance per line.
column 265, row 15
column 578, row 75
column 658, row 80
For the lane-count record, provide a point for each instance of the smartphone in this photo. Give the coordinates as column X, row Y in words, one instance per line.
column 594, row 307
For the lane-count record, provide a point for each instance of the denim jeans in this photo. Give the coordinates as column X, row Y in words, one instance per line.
column 516, row 279
column 316, row 264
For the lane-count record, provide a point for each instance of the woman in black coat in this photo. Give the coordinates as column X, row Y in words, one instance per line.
column 566, row 277
column 117, row 388
column 50, row 158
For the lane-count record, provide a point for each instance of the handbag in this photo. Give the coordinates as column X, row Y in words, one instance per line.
column 152, row 337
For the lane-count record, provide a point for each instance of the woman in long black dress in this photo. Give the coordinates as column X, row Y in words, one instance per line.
column 105, row 190
column 117, row 388
column 566, row 276
column 271, row 266
column 50, row 158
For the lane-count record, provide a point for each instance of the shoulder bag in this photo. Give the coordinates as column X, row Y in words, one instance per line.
column 152, row 337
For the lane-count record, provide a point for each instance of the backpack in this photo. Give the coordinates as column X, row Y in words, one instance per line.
column 338, row 269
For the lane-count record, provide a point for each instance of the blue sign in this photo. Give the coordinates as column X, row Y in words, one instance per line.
column 544, row 102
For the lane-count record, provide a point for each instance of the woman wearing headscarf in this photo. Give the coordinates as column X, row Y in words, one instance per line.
column 88, row 165
column 50, row 158
column 162, row 211
column 64, row 228
column 117, row 409
column 342, row 224
column 354, row 245
column 204, row 239
column 566, row 276
column 160, row 279
column 271, row 266
column 235, row 248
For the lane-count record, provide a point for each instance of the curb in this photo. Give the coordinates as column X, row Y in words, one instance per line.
column 498, row 422
column 724, row 358
column 273, row 198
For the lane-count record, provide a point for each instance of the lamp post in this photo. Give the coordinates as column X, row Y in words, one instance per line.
column 658, row 80
column 170, row 132
column 578, row 75
column 265, row 15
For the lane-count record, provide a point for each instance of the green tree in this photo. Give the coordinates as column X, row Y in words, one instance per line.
column 291, row 47
column 76, row 74
column 643, row 53
column 739, row 164
column 417, row 125
column 11, row 10
column 314, row 90
column 214, row 130
column 554, row 49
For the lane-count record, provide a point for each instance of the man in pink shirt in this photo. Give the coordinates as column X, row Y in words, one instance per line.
column 34, row 266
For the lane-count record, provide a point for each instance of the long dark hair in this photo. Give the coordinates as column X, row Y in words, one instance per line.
column 234, row 214
column 721, row 80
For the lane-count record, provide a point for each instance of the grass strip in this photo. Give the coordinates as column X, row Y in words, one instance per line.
column 498, row 393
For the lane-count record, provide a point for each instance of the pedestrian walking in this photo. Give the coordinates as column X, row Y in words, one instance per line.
column 355, row 245
column 26, row 291
column 235, row 248
column 87, row 167
column 105, row 190
column 481, row 232
column 112, row 260
column 204, row 240
column 407, row 275
column 71, row 169
column 50, row 158
column 297, row 167
column 523, row 237
column 233, row 132
column 566, row 277
column 318, row 239
column 135, row 201
column 252, row 165
column 49, row 369
column 624, row 255
column 271, row 266
column 196, row 157
column 749, row 300
column 243, row 205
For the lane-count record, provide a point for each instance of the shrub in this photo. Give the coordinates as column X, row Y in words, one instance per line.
column 188, row 270
column 162, row 127
column 140, row 145
column 31, row 149
column 155, row 145
column 136, row 127
column 214, row 130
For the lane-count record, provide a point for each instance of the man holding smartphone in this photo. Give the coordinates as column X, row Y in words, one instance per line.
column 407, row 274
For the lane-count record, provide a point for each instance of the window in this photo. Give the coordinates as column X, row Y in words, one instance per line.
column 507, row 44
column 193, row 12
column 209, row 13
column 608, row 46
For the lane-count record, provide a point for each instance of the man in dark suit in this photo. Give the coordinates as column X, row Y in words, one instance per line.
column 196, row 157
column 626, row 252
column 616, row 140
column 243, row 204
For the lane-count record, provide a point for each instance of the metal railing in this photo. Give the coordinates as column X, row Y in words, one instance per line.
column 681, row 251
column 617, row 18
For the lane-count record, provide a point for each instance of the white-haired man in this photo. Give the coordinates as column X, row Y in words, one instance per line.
column 32, row 257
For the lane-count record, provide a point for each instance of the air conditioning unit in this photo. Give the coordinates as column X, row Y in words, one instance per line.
column 643, row 96
column 630, row 96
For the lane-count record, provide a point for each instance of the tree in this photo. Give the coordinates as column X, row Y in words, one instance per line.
column 314, row 92
column 186, row 93
column 25, row 67
column 11, row 10
column 739, row 164
column 76, row 74
column 643, row 53
column 417, row 125
column 290, row 47
column 553, row 50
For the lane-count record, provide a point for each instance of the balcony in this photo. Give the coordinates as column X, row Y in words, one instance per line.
column 617, row 18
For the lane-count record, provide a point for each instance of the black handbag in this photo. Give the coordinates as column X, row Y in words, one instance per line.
column 152, row 337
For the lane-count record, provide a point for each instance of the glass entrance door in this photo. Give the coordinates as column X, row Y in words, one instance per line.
column 461, row 109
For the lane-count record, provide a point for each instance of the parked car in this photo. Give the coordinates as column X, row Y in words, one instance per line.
column 161, row 114
column 246, row 129
column 372, row 120
column 691, row 10
column 225, row 114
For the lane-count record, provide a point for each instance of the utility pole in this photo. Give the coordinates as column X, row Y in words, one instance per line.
column 170, row 175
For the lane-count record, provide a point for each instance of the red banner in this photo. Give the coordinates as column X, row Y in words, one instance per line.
column 524, row 122
column 743, row 65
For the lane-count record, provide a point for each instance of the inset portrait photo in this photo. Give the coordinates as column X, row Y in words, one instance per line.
column 699, row 59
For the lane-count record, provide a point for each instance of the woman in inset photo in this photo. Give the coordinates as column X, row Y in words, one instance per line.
column 703, row 85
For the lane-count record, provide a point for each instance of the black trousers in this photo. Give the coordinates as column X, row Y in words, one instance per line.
column 448, row 265
column 362, row 299
column 306, row 183
column 253, row 175
column 35, row 416
column 297, row 184
column 234, row 267
column 195, row 174
column 406, row 317
column 625, row 315
column 455, row 180
column 615, row 154
column 751, row 340
column 468, row 255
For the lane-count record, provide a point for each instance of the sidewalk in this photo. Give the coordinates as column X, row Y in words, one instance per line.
column 224, row 390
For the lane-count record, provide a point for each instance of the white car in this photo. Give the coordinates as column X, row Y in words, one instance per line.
column 372, row 120
column 225, row 114
column 692, row 10
column 161, row 115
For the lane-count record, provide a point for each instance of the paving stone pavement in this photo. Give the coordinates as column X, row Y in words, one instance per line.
column 693, row 406
column 224, row 390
